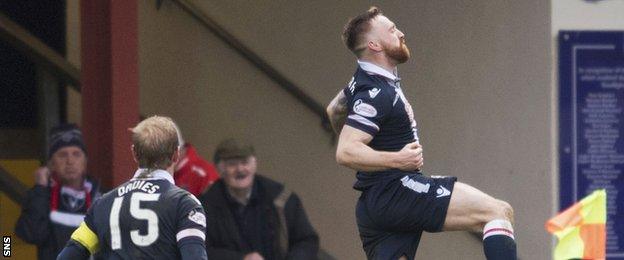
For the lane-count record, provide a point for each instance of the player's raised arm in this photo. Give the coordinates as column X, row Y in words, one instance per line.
column 353, row 152
column 337, row 111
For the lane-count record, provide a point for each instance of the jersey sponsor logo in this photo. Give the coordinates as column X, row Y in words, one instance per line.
column 364, row 109
column 442, row 192
column 351, row 85
column 373, row 92
column 145, row 186
column 415, row 185
column 197, row 217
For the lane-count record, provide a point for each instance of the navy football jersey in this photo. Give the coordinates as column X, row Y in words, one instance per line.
column 378, row 107
column 146, row 218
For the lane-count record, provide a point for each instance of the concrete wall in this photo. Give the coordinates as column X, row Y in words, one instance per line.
column 482, row 95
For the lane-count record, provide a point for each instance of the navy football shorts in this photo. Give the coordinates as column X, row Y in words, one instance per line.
column 392, row 214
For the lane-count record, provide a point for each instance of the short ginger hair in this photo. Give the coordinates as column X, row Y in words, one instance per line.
column 357, row 27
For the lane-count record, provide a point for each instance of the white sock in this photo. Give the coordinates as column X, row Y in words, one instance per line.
column 498, row 227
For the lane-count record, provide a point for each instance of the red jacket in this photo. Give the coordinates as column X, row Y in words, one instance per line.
column 193, row 173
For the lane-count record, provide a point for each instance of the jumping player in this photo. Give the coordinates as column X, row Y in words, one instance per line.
column 147, row 217
column 379, row 139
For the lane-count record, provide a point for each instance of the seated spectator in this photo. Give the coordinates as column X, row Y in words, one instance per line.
column 252, row 217
column 192, row 172
column 56, row 205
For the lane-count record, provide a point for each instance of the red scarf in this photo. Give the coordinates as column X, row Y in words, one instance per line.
column 56, row 191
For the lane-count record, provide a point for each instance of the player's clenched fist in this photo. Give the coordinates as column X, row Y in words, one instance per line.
column 410, row 157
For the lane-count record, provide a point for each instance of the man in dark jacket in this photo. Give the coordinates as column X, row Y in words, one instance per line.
column 251, row 217
column 56, row 205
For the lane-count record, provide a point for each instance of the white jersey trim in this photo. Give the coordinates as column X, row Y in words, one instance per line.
column 156, row 174
column 364, row 121
column 190, row 232
column 374, row 69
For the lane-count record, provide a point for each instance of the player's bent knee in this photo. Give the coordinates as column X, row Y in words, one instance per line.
column 498, row 209
column 503, row 211
column 508, row 211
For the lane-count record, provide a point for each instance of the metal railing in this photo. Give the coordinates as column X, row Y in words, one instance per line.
column 257, row 61
column 12, row 187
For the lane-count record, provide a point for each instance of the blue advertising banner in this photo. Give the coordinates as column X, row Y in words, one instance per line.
column 591, row 124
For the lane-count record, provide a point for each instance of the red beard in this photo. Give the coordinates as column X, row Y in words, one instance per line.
column 400, row 54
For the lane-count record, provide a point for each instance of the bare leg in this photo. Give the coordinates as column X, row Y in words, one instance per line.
column 470, row 209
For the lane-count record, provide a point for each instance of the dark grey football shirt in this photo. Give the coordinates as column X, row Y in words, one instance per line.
column 378, row 107
column 146, row 218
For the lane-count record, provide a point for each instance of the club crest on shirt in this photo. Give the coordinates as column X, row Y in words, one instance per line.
column 197, row 217
column 364, row 109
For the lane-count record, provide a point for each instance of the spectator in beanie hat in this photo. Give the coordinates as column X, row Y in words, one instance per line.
column 56, row 205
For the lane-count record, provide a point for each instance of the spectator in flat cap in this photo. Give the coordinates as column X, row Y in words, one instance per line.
column 56, row 205
column 250, row 216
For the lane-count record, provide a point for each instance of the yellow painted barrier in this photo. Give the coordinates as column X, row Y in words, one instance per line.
column 23, row 170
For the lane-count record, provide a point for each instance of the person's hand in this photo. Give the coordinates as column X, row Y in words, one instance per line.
column 253, row 256
column 410, row 157
column 42, row 176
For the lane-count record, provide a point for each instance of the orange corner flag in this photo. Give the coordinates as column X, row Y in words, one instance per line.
column 581, row 228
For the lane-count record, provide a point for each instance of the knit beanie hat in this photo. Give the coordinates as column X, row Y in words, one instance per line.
column 65, row 135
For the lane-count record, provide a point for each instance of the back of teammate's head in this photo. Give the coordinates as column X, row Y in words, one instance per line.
column 154, row 142
column 356, row 29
